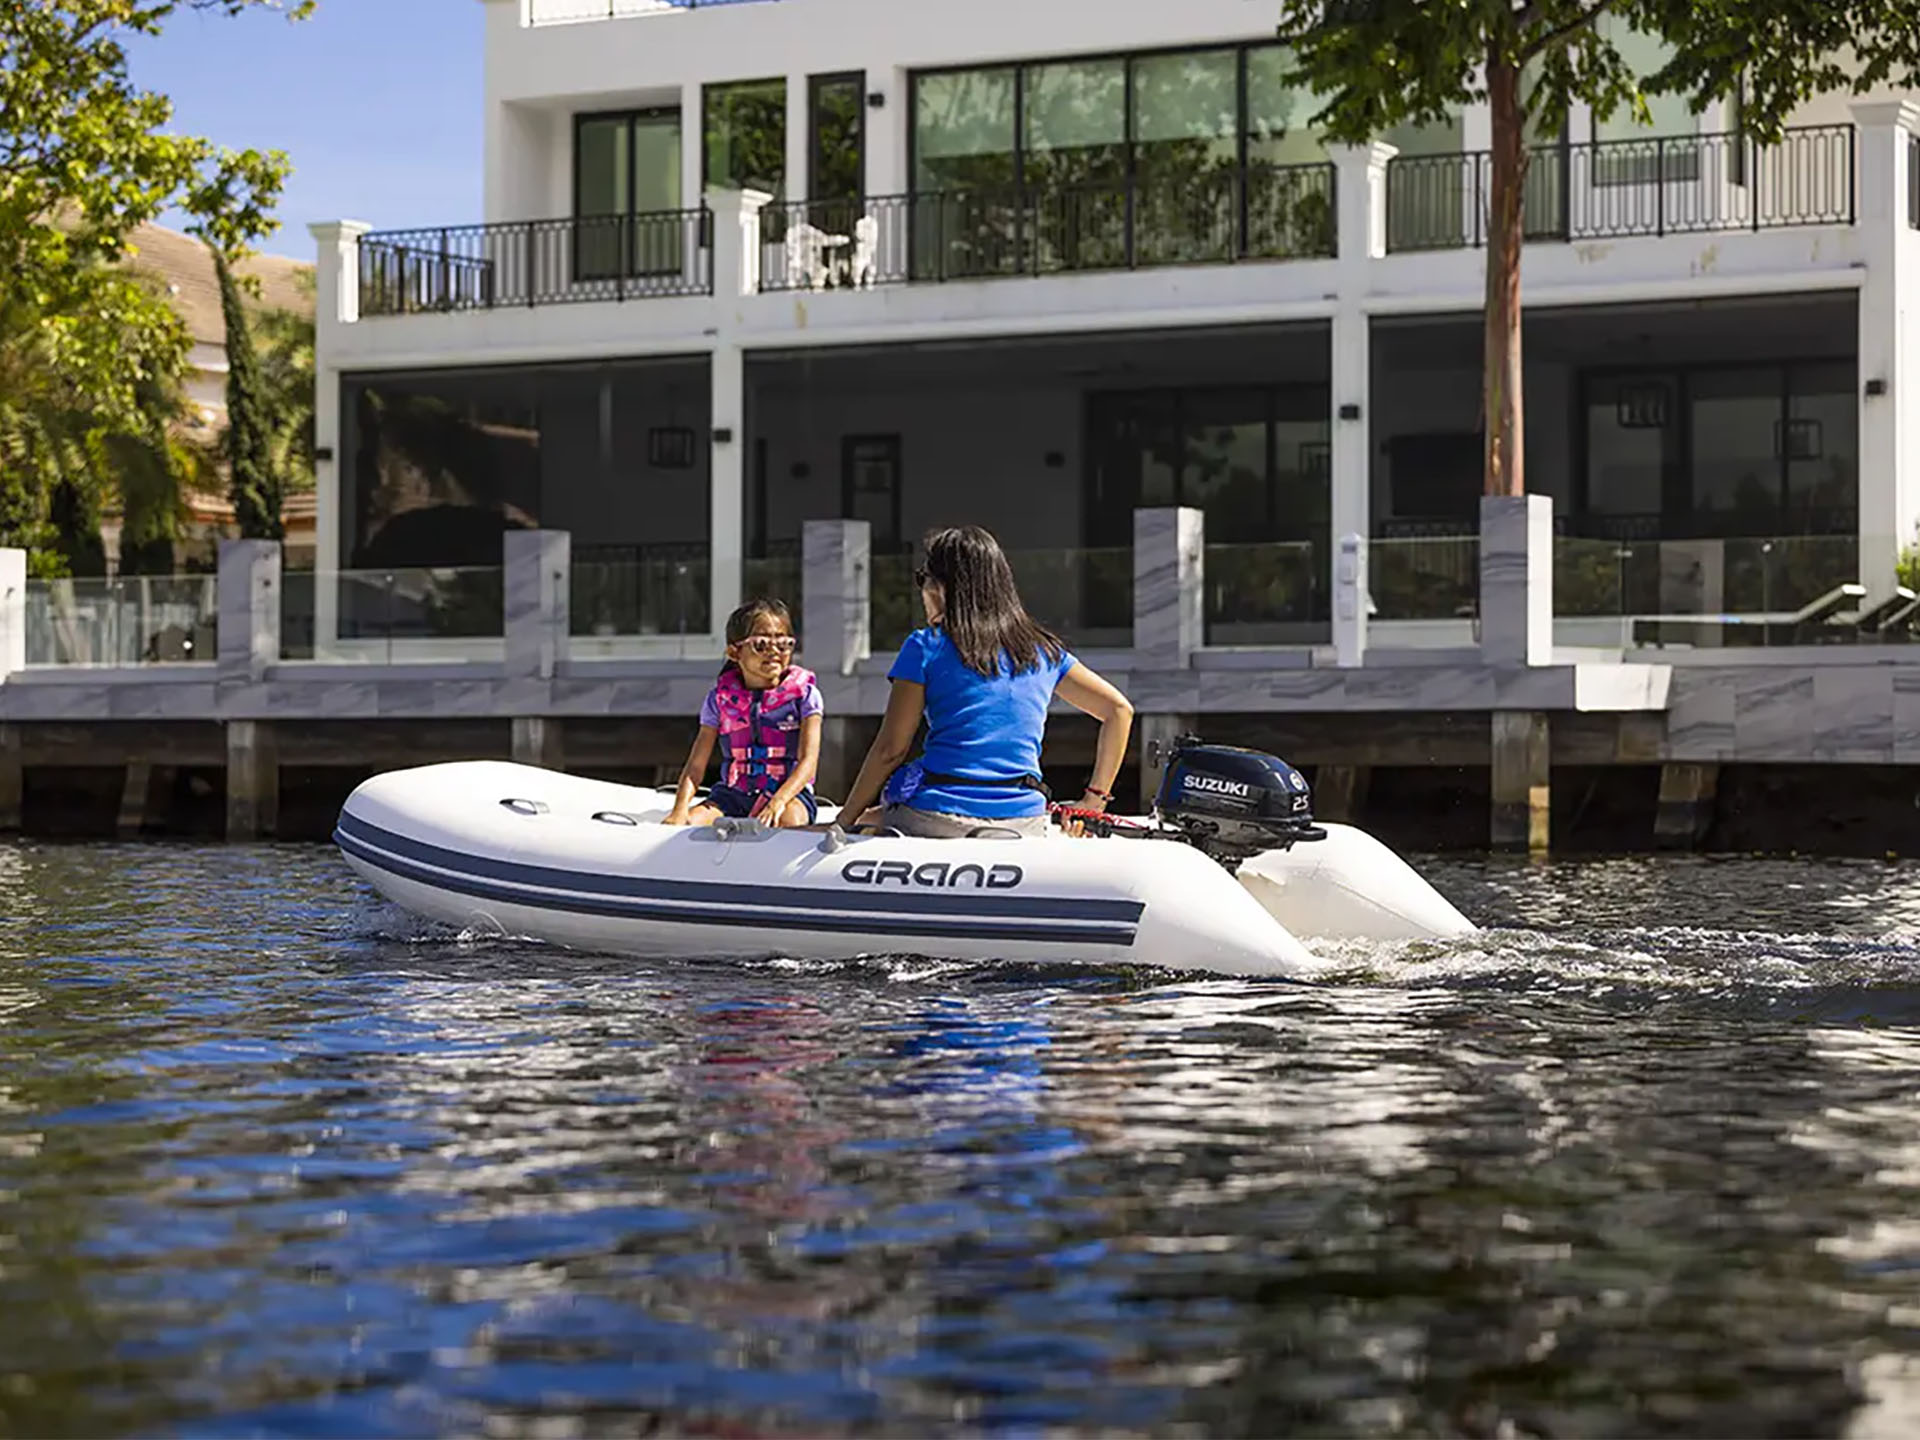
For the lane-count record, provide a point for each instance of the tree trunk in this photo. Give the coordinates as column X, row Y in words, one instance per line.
column 1506, row 231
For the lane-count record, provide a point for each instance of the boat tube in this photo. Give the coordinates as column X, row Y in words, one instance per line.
column 518, row 850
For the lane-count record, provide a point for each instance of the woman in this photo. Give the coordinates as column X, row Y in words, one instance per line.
column 983, row 673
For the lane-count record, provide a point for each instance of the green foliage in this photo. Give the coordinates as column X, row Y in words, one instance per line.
column 1907, row 570
column 1378, row 64
column 251, row 481
column 91, row 358
column 285, row 348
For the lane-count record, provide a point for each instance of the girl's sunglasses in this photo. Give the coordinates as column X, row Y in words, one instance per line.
column 770, row 644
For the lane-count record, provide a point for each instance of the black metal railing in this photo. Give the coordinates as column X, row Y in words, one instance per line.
column 537, row 262
column 565, row 12
column 1607, row 189
column 1269, row 213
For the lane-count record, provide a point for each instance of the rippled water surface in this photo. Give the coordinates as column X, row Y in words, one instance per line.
column 274, row 1158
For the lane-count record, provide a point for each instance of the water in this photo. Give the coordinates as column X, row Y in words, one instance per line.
column 276, row 1159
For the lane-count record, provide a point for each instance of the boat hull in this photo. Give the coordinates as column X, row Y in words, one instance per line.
column 518, row 850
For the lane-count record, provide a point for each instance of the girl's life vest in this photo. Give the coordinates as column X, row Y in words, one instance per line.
column 759, row 729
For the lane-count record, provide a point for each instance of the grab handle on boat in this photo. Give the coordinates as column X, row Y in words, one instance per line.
column 525, row 807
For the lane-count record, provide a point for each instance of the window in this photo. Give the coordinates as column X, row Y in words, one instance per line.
column 1762, row 449
column 1074, row 162
column 870, row 487
column 1659, row 152
column 1132, row 159
column 963, row 130
column 1186, row 156
column 836, row 143
column 745, row 136
column 1632, row 442
column 626, row 195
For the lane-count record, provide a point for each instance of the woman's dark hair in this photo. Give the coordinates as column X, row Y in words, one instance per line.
column 740, row 622
column 984, row 617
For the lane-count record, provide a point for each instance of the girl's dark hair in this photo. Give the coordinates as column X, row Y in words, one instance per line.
column 740, row 622
column 984, row 617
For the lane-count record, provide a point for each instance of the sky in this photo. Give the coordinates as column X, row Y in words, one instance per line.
column 376, row 102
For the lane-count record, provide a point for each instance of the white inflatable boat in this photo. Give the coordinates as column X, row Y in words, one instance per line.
column 529, row 852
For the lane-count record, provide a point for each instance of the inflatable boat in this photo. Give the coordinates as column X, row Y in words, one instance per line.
column 1228, row 875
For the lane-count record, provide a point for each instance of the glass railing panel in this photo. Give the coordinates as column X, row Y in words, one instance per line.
column 895, row 611
column 1742, row 589
column 645, row 595
column 128, row 620
column 1085, row 596
column 775, row 577
column 391, row 614
column 1265, row 594
column 1424, row 578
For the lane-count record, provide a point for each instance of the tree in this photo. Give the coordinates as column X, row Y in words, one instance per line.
column 251, row 481
column 86, row 350
column 1383, row 63
column 286, row 374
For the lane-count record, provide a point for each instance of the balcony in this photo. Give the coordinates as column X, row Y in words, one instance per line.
column 572, row 12
column 537, row 262
column 1607, row 190
column 1613, row 189
column 1265, row 213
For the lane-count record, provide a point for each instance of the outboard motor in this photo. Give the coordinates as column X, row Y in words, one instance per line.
column 1232, row 803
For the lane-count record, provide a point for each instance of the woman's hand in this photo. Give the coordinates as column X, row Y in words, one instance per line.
column 1092, row 801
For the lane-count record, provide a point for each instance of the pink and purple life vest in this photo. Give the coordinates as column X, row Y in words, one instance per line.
column 759, row 729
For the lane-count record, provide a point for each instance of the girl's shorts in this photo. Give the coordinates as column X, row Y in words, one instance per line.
column 738, row 804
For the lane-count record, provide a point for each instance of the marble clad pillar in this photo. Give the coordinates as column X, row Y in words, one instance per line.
column 836, row 590
column 538, row 588
column 249, row 604
column 1516, row 579
column 1169, row 587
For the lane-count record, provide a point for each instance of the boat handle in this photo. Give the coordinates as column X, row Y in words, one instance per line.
column 614, row 817
column 525, row 807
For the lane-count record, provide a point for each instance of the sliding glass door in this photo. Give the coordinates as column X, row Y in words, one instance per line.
column 626, row 195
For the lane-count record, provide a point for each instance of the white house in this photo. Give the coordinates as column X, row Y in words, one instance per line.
column 749, row 262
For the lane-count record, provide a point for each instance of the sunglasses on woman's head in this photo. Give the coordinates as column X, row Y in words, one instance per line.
column 770, row 644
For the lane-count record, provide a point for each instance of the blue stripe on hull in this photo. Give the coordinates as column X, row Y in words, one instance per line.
column 902, row 913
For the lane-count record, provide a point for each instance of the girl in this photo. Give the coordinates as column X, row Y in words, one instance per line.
column 983, row 673
column 764, row 711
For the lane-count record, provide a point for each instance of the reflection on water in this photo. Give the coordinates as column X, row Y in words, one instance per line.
column 1643, row 1158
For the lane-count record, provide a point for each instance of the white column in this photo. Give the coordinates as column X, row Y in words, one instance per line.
column 799, row 182
column 336, row 274
column 693, row 126
column 887, row 130
column 1889, row 502
column 736, row 241
column 13, row 612
column 727, row 498
column 1360, row 195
